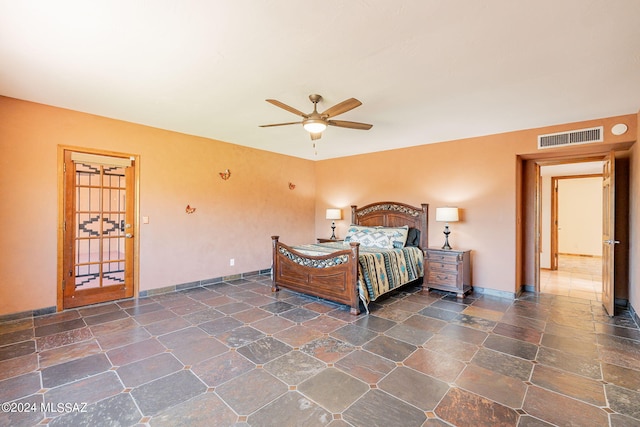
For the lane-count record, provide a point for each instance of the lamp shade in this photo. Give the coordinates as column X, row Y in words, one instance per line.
column 334, row 214
column 447, row 214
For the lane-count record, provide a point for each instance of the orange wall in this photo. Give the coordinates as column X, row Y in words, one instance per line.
column 476, row 177
column 479, row 175
column 234, row 218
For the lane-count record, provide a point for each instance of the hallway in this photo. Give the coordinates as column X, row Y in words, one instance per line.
column 577, row 276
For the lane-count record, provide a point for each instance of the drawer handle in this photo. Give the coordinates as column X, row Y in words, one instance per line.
column 441, row 277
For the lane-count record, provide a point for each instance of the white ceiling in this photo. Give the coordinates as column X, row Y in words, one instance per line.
column 425, row 70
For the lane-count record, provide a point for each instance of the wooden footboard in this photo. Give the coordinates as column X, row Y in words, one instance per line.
column 333, row 276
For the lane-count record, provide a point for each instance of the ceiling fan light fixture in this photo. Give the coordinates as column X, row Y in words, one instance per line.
column 314, row 125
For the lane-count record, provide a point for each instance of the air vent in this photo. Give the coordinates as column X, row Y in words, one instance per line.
column 574, row 137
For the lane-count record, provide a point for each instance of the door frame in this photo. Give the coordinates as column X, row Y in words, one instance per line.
column 537, row 217
column 61, row 216
column 555, row 181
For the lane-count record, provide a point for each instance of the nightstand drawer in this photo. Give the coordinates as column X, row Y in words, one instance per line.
column 442, row 257
column 442, row 278
column 445, row 268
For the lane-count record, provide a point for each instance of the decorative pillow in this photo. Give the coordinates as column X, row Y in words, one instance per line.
column 353, row 229
column 413, row 237
column 397, row 235
column 377, row 239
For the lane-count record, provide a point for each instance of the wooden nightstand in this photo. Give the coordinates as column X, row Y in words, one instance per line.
column 323, row 240
column 448, row 270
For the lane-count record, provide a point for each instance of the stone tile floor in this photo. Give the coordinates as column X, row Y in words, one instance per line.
column 233, row 353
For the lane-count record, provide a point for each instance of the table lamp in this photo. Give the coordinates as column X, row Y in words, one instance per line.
column 333, row 214
column 447, row 215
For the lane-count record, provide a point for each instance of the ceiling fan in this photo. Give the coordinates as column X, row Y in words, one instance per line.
column 315, row 122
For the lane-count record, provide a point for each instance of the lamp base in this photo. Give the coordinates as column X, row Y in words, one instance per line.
column 446, row 237
column 333, row 231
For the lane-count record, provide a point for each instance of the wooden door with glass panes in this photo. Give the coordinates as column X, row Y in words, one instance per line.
column 98, row 228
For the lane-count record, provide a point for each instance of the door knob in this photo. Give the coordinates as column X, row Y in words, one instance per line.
column 609, row 242
column 128, row 235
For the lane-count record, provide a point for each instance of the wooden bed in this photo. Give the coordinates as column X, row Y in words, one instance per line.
column 335, row 276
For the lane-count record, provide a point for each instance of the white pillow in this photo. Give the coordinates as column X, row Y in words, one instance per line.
column 397, row 235
column 356, row 228
column 377, row 239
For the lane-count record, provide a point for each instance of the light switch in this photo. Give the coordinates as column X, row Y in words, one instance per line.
column 145, row 220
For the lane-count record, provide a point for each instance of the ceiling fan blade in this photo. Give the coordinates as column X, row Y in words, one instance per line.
column 280, row 124
column 350, row 125
column 287, row 107
column 342, row 107
column 315, row 136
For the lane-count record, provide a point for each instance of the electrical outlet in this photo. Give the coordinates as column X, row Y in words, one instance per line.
column 232, row 262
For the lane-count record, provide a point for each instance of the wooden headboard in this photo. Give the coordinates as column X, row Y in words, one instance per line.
column 394, row 214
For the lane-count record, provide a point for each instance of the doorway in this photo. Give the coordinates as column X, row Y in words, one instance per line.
column 615, row 224
column 97, row 208
column 571, row 230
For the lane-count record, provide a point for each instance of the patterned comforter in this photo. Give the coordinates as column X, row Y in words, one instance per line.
column 379, row 270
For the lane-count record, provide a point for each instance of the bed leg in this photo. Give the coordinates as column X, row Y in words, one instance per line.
column 355, row 310
column 274, row 263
